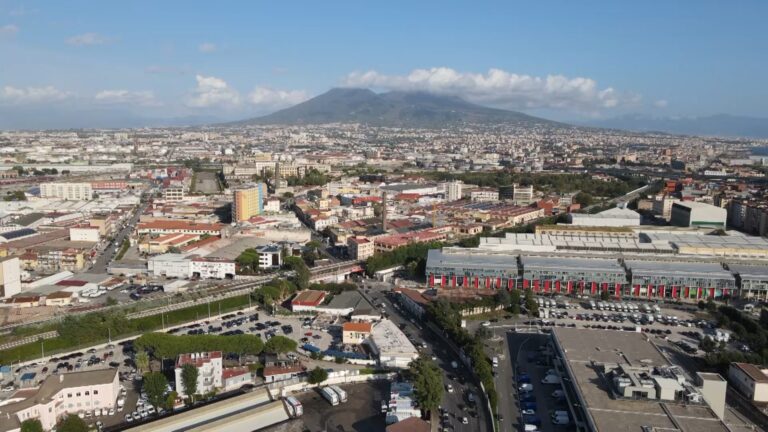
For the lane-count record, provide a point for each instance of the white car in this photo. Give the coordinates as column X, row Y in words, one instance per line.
column 526, row 387
column 464, row 420
column 449, row 388
column 128, row 418
column 528, row 412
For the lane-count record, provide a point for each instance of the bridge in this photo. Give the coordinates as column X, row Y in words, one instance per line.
column 336, row 272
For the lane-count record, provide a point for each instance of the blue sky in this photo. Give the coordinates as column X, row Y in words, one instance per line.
column 562, row 59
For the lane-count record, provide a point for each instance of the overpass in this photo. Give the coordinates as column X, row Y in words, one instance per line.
column 244, row 413
column 335, row 272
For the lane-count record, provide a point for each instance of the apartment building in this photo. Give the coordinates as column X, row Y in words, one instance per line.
column 10, row 277
column 209, row 371
column 63, row 394
column 360, row 248
column 173, row 193
column 248, row 202
column 750, row 380
column 67, row 191
column 355, row 333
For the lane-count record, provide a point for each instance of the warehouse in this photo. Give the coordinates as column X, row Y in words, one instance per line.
column 463, row 268
column 571, row 275
column 690, row 214
column 687, row 280
column 615, row 217
column 752, row 281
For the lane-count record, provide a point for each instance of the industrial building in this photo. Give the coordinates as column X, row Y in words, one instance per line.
column 692, row 213
column 391, row 345
column 248, row 201
column 678, row 279
column 569, row 275
column 615, row 217
column 752, row 280
column 620, row 381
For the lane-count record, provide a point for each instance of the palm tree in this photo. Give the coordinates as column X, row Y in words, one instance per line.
column 142, row 361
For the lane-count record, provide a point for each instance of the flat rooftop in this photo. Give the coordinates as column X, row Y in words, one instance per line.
column 584, row 348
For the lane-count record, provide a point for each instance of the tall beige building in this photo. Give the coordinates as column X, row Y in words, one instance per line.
column 248, row 202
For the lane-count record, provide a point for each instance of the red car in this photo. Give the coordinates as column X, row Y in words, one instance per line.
column 308, row 334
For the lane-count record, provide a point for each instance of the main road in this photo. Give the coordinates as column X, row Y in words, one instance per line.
column 456, row 403
column 102, row 261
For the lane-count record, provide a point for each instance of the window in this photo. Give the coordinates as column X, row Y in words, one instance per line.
column 95, row 392
column 77, row 394
column 87, row 393
column 69, row 395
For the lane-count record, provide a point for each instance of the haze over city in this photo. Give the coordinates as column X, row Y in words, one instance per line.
column 494, row 216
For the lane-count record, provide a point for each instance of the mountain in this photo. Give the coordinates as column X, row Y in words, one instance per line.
column 715, row 125
column 393, row 109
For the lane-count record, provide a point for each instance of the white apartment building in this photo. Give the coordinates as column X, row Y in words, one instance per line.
column 60, row 395
column 10, row 277
column 173, row 193
column 453, row 190
column 270, row 256
column 484, row 195
column 209, row 371
column 272, row 205
column 67, row 191
column 749, row 380
column 522, row 195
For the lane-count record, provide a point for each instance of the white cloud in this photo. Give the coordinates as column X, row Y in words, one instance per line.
column 212, row 91
column 9, row 30
column 661, row 103
column 87, row 39
column 29, row 95
column 207, row 47
column 141, row 98
column 501, row 88
column 265, row 97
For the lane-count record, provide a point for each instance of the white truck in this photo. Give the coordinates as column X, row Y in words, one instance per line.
column 294, row 407
column 330, row 396
column 341, row 393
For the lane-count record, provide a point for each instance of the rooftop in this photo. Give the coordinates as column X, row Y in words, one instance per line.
column 361, row 327
column 308, row 298
column 584, row 350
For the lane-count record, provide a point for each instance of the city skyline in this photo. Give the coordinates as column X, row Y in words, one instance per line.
column 560, row 61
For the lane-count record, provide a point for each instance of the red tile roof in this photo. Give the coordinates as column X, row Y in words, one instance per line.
column 308, row 298
column 361, row 327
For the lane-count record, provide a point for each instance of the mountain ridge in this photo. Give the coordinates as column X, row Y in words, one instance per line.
column 722, row 125
column 395, row 109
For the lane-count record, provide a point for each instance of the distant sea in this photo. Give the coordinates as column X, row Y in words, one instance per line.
column 760, row 151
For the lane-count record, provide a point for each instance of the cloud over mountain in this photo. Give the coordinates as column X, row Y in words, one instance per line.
column 501, row 88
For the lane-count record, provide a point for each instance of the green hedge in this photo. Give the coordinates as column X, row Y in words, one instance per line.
column 89, row 329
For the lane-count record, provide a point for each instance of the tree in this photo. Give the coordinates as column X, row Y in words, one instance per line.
column 707, row 344
column 170, row 400
column 301, row 271
column 31, row 425
column 583, row 198
column 72, row 423
column 111, row 301
column 428, row 382
column 317, row 375
column 503, row 298
column 155, row 385
column 189, row 375
column 142, row 361
column 515, row 302
column 280, row 345
column 530, row 303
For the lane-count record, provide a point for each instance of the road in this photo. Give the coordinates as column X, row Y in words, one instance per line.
column 456, row 404
column 105, row 258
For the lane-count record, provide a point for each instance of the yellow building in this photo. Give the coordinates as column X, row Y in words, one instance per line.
column 248, row 202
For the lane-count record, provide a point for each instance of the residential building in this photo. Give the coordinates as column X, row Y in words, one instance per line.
column 169, row 265
column 270, row 256
column 401, row 404
column 412, row 301
column 248, row 201
column 62, row 394
column 209, row 371
column 750, row 380
column 174, row 193
column 484, row 195
column 235, row 377
column 453, row 190
column 360, row 248
column 158, row 227
column 67, row 191
column 272, row 205
column 10, row 276
column 281, row 372
column 522, row 195
column 355, row 333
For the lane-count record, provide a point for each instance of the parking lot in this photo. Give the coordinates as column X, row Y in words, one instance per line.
column 527, row 365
